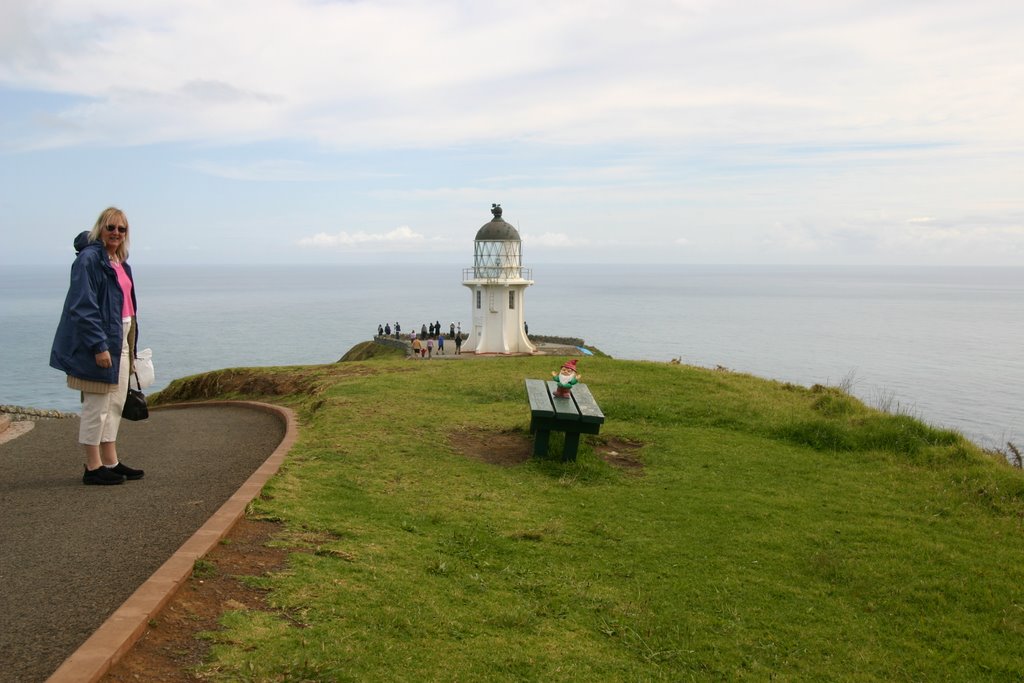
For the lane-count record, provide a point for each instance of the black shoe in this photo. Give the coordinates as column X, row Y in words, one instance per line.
column 102, row 475
column 129, row 473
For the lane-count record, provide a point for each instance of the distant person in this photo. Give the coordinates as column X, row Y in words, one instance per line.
column 423, row 330
column 380, row 330
column 526, row 328
column 430, row 347
column 440, row 344
column 95, row 343
column 398, row 329
column 416, row 346
column 437, row 327
column 387, row 329
column 458, row 344
column 451, row 330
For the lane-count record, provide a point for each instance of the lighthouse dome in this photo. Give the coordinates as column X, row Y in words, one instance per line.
column 497, row 230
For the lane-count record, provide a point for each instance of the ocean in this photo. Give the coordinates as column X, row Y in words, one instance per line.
column 941, row 343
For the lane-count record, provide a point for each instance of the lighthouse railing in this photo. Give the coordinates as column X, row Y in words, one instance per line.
column 493, row 273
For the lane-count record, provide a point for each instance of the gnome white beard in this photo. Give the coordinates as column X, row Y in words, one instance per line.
column 565, row 376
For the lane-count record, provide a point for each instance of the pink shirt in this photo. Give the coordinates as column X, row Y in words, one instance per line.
column 127, row 309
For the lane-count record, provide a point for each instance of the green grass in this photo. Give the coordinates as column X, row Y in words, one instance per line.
column 774, row 531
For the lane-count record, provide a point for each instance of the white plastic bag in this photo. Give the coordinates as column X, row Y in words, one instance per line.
column 144, row 368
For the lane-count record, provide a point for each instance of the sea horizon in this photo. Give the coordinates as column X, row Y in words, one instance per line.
column 938, row 342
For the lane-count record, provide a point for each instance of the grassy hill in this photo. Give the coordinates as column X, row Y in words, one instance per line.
column 721, row 527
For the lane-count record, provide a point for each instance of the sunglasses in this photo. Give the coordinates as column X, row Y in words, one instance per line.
column 120, row 228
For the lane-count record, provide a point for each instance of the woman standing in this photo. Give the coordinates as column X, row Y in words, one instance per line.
column 95, row 342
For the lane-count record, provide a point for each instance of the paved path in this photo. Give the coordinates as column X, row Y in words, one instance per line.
column 70, row 554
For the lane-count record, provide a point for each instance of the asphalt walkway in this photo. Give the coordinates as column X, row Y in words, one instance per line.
column 71, row 554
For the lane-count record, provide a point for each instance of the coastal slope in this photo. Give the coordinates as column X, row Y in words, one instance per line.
column 720, row 526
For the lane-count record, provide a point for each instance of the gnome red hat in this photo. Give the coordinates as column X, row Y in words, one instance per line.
column 569, row 365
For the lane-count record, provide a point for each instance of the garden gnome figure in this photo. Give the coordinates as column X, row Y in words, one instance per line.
column 566, row 378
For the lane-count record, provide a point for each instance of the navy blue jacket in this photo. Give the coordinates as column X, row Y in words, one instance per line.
column 91, row 320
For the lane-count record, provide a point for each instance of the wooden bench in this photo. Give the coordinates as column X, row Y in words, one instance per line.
column 574, row 415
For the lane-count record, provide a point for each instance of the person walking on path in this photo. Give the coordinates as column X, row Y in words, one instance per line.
column 430, row 348
column 416, row 346
column 458, row 344
column 440, row 344
column 96, row 340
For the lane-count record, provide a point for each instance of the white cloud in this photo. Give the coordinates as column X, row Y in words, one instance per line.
column 954, row 240
column 398, row 239
column 418, row 73
column 796, row 238
column 842, row 124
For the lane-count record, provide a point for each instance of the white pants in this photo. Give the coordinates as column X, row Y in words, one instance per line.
column 101, row 413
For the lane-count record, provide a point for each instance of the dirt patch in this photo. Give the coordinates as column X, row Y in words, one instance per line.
column 620, row 453
column 504, row 448
column 510, row 447
column 169, row 650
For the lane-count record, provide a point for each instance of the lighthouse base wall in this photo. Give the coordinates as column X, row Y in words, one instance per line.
column 498, row 319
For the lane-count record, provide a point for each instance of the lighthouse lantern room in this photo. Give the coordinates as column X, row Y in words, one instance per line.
column 497, row 283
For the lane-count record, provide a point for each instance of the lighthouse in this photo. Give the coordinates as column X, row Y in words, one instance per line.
column 497, row 284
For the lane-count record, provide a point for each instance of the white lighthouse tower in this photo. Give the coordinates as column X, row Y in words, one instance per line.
column 497, row 283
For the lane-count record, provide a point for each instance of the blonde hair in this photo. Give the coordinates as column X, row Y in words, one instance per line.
column 105, row 218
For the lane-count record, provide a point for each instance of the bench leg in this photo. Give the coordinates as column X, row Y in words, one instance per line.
column 572, row 446
column 540, row 443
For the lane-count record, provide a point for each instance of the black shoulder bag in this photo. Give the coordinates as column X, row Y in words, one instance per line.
column 135, row 407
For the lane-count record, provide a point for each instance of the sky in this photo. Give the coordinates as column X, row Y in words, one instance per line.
column 814, row 132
